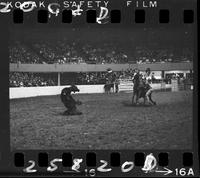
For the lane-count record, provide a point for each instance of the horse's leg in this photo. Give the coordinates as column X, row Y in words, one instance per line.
column 150, row 99
column 133, row 97
column 137, row 98
column 153, row 102
column 145, row 97
column 144, row 100
column 109, row 89
column 148, row 96
column 138, row 94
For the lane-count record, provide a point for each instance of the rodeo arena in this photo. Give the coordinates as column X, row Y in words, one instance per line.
column 68, row 95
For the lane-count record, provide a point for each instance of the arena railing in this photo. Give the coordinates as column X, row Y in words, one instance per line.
column 97, row 67
column 62, row 68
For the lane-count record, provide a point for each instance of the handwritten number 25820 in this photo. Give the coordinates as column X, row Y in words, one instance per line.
column 126, row 167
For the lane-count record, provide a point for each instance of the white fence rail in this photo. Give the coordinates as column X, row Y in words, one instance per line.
column 127, row 85
column 25, row 92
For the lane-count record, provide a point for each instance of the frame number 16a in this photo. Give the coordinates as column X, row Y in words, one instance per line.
column 184, row 172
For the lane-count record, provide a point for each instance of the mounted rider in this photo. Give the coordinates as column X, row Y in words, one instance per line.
column 142, row 86
column 110, row 78
column 136, row 84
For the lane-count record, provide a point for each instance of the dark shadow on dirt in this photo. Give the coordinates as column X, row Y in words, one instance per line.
column 59, row 113
column 65, row 113
column 129, row 104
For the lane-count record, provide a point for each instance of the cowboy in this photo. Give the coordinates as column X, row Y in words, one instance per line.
column 136, row 83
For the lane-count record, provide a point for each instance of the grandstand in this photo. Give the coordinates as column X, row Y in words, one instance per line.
column 57, row 58
column 32, row 75
column 40, row 57
column 44, row 57
column 60, row 63
column 43, row 63
column 65, row 52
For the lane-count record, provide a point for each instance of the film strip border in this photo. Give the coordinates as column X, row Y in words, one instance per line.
column 163, row 159
column 91, row 163
column 139, row 17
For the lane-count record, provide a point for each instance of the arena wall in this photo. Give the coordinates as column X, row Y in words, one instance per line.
column 25, row 92
column 97, row 67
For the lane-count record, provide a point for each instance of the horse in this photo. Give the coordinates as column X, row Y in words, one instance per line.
column 108, row 87
column 141, row 92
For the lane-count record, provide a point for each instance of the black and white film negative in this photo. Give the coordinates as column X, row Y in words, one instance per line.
column 99, row 88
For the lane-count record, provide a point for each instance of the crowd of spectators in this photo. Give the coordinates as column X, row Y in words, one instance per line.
column 145, row 55
column 64, row 52
column 22, row 79
column 77, row 52
column 85, row 78
column 19, row 53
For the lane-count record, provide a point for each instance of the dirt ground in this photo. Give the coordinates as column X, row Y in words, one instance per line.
column 109, row 121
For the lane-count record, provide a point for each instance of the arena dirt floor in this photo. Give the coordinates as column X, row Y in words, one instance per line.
column 109, row 121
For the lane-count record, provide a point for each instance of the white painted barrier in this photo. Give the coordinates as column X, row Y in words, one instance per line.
column 24, row 92
column 128, row 86
column 175, row 85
